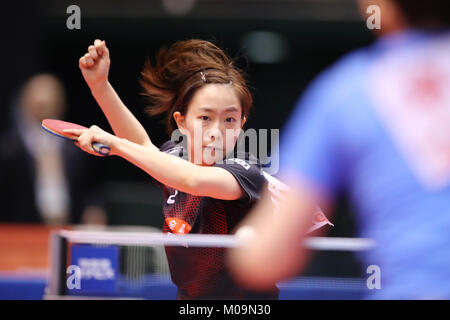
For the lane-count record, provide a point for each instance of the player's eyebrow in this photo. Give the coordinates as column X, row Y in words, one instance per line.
column 229, row 109
column 232, row 109
column 206, row 109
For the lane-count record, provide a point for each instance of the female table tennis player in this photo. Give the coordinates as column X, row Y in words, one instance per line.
column 199, row 91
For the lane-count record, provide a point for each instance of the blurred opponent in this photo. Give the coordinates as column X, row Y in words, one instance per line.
column 377, row 125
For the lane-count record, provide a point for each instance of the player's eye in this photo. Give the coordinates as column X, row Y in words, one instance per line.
column 230, row 120
column 204, row 118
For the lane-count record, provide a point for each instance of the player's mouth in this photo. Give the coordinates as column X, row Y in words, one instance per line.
column 212, row 148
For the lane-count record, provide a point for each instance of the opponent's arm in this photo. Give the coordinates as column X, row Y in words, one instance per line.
column 273, row 250
column 172, row 171
column 94, row 66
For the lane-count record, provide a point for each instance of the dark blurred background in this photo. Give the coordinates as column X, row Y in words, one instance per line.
column 281, row 44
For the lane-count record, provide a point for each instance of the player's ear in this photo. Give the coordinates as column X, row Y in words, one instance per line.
column 180, row 120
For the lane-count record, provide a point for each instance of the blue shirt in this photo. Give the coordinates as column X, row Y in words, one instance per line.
column 376, row 124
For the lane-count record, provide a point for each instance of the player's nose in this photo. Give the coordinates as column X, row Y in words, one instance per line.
column 214, row 133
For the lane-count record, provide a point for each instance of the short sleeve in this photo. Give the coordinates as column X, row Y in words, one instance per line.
column 247, row 174
column 173, row 149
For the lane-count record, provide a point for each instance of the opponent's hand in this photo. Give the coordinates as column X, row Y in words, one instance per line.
column 86, row 137
column 95, row 64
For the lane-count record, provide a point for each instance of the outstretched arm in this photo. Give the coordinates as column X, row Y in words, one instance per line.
column 172, row 171
column 94, row 66
column 273, row 250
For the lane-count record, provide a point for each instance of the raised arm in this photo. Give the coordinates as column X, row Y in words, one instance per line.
column 94, row 66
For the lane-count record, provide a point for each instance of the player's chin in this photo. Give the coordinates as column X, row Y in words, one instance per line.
column 208, row 162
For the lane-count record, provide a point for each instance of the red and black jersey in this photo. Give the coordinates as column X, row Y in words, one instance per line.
column 200, row 273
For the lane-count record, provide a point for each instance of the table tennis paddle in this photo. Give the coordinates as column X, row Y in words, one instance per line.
column 57, row 128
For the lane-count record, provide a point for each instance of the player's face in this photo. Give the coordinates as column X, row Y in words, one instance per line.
column 213, row 122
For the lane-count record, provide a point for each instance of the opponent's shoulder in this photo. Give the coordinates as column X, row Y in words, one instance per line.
column 342, row 78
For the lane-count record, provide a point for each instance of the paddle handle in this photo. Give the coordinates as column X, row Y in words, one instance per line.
column 101, row 148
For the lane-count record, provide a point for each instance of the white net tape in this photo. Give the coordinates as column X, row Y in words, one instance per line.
column 204, row 240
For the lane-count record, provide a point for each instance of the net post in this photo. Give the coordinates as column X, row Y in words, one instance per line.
column 56, row 285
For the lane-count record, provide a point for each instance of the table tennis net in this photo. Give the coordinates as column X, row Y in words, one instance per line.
column 117, row 264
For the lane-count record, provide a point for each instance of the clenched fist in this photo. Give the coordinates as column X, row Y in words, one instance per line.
column 95, row 64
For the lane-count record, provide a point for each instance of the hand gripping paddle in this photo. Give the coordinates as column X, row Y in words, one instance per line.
column 57, row 128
